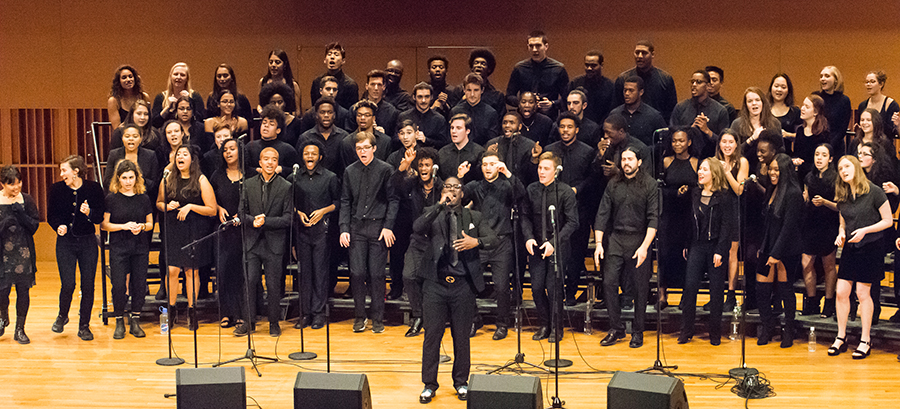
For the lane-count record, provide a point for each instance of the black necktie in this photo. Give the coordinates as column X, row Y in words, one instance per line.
column 454, row 255
column 544, row 214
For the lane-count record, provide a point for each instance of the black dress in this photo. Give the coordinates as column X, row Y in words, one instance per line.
column 820, row 224
column 230, row 271
column 805, row 148
column 18, row 222
column 180, row 233
column 675, row 221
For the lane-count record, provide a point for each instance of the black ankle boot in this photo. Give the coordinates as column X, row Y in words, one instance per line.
column 192, row 319
column 766, row 317
column 135, row 326
column 730, row 301
column 4, row 321
column 789, row 300
column 119, row 333
column 20, row 336
column 828, row 308
column 173, row 316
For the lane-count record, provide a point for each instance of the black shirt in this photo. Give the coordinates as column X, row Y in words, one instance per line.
column 452, row 97
column 450, row 158
column 368, row 194
column 589, row 132
column 63, row 204
column 491, row 96
column 431, row 123
column 485, row 122
column 643, row 122
column 400, row 99
column 659, row 89
column 243, row 108
column 536, row 222
column 332, row 157
column 287, row 156
column 629, row 205
column 341, row 119
column 838, row 112
column 686, row 111
column 515, row 152
column 601, row 96
column 732, row 113
column 548, row 78
column 495, row 201
column 147, row 164
column 157, row 119
column 385, row 117
column 123, row 209
column 413, row 200
column 861, row 212
column 316, row 190
column 348, row 91
column 576, row 160
column 348, row 147
column 537, row 128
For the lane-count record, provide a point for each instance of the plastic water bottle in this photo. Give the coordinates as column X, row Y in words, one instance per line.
column 735, row 332
column 164, row 321
column 812, row 339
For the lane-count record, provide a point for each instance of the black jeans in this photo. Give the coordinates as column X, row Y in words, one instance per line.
column 121, row 265
column 368, row 257
column 619, row 266
column 454, row 302
column 501, row 261
column 415, row 261
column 700, row 260
column 82, row 252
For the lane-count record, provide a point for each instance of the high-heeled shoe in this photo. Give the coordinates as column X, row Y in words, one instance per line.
column 837, row 350
column 859, row 354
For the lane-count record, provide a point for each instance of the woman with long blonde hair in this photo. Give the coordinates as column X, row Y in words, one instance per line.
column 179, row 84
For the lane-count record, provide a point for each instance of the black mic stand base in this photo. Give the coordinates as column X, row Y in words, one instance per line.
column 252, row 357
column 557, row 403
column 303, row 356
column 169, row 361
column 659, row 367
column 558, row 363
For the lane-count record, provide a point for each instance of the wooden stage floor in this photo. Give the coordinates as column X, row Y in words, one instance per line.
column 61, row 371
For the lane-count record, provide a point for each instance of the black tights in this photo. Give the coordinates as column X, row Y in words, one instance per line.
column 23, row 300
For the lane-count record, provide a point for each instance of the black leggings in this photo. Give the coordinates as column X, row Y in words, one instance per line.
column 23, row 299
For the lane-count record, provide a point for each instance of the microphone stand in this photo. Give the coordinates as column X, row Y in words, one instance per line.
column 302, row 355
column 517, row 283
column 743, row 371
column 170, row 361
column 191, row 248
column 657, row 364
column 251, row 353
column 557, row 308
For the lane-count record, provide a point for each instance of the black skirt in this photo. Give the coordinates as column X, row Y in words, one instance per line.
column 863, row 264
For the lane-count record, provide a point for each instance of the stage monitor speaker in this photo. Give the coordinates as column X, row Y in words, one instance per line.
column 316, row 390
column 504, row 392
column 213, row 388
column 629, row 390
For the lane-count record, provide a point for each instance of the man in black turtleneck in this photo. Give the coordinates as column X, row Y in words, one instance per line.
column 543, row 75
column 601, row 94
column 441, row 92
column 482, row 62
column 399, row 98
column 513, row 149
column 659, row 87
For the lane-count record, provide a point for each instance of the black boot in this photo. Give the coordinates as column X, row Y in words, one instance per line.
column 173, row 316
column 120, row 328
column 192, row 319
column 20, row 336
column 828, row 308
column 730, row 301
column 4, row 321
column 789, row 299
column 135, row 326
column 766, row 317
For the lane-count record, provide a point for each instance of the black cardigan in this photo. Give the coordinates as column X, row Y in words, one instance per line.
column 63, row 205
column 720, row 219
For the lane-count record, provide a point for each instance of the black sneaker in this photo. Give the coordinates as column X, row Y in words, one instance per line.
column 59, row 324
column 377, row 326
column 318, row 322
column 359, row 324
column 84, row 332
column 426, row 396
column 242, row 330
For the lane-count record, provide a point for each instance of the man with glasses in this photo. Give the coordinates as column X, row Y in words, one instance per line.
column 368, row 210
column 385, row 112
column 701, row 112
column 365, row 113
column 452, row 278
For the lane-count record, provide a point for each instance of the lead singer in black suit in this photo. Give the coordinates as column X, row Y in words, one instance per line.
column 266, row 212
column 451, row 280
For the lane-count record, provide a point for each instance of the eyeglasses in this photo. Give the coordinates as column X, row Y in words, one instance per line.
column 452, row 186
column 363, row 115
column 861, row 154
column 698, row 82
column 363, row 148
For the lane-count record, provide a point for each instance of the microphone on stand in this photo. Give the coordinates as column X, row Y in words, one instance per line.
column 434, row 171
column 166, row 173
column 296, row 168
column 230, row 222
column 752, row 178
column 559, row 169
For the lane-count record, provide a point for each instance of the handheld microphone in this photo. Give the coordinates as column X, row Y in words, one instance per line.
column 434, row 171
column 230, row 222
column 752, row 178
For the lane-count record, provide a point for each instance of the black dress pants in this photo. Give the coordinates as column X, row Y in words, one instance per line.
column 313, row 254
column 122, row 263
column 700, row 261
column 454, row 302
column 619, row 266
column 258, row 260
column 501, row 261
column 368, row 257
